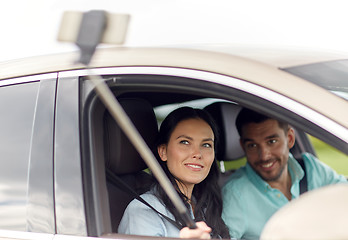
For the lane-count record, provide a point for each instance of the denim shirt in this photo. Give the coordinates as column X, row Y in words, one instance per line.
column 139, row 219
column 249, row 201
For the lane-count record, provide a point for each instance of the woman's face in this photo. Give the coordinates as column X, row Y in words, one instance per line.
column 190, row 151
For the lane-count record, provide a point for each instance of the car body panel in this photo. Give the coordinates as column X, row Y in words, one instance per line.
column 6, row 234
column 279, row 57
column 216, row 62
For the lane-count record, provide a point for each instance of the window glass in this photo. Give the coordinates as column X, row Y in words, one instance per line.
column 17, row 106
column 330, row 75
column 331, row 156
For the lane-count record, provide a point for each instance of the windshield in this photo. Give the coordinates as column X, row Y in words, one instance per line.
column 332, row 75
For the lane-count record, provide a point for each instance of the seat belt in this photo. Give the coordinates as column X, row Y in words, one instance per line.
column 298, row 156
column 125, row 187
column 303, row 182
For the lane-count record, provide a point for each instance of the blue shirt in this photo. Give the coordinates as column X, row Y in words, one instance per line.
column 139, row 219
column 249, row 201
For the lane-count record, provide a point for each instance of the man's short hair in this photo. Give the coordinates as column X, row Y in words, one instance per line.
column 246, row 116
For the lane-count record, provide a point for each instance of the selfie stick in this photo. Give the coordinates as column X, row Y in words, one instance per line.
column 91, row 31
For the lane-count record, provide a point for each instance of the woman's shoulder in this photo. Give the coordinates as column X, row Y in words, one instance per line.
column 140, row 219
column 150, row 198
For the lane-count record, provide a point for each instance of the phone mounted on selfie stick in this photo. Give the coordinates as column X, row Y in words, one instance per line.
column 88, row 30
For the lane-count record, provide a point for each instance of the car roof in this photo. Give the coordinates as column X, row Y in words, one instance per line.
column 279, row 57
column 250, row 65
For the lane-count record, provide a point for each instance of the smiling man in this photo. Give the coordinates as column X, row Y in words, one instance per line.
column 271, row 176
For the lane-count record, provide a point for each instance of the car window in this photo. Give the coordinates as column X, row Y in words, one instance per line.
column 164, row 98
column 331, row 156
column 17, row 106
column 329, row 75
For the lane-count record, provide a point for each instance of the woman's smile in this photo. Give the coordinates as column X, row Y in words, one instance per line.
column 194, row 166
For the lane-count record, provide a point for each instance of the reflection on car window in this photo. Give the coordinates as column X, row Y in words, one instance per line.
column 330, row 75
column 341, row 94
column 17, row 105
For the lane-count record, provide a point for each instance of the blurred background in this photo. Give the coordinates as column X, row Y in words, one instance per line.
column 29, row 27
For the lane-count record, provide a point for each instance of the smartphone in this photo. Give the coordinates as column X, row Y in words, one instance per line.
column 115, row 29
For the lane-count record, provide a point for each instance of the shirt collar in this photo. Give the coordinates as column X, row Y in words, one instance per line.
column 295, row 169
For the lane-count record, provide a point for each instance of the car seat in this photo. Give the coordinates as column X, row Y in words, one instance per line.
column 122, row 159
column 228, row 149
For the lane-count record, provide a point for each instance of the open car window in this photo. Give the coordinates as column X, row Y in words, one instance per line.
column 163, row 94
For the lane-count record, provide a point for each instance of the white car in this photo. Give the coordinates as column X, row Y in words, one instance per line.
column 58, row 144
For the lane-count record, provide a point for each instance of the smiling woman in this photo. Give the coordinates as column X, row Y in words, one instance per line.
column 186, row 151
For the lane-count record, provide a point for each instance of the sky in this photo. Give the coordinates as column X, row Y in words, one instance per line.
column 30, row 27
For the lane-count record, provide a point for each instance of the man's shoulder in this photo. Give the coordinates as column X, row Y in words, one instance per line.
column 236, row 178
column 312, row 161
column 309, row 157
column 320, row 172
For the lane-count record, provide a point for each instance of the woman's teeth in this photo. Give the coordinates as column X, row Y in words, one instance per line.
column 194, row 166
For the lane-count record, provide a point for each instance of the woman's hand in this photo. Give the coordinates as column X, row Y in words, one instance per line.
column 202, row 231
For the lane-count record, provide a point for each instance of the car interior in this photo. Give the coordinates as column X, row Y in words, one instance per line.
column 120, row 171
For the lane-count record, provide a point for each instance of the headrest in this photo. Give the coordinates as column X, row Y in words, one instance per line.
column 225, row 114
column 120, row 155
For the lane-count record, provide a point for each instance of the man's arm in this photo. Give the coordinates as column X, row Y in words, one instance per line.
column 319, row 173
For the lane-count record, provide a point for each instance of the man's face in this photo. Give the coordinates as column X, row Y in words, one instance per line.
column 266, row 146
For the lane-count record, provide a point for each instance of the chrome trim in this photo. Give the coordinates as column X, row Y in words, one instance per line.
column 26, row 79
column 71, row 237
column 296, row 107
column 25, row 235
